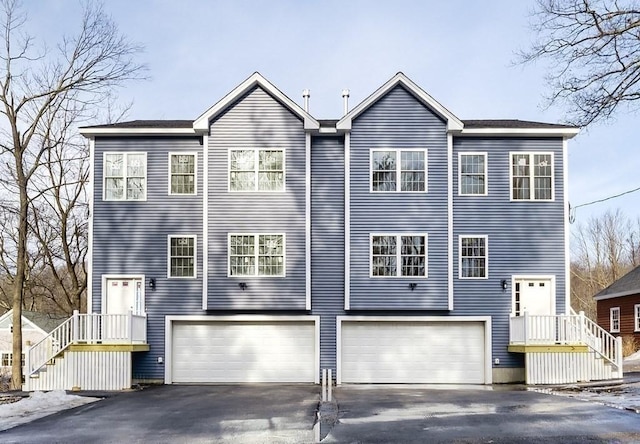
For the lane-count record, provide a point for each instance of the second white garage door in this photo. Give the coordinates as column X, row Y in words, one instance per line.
column 243, row 351
column 413, row 352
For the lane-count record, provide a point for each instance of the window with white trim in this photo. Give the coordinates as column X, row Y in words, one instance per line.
column 125, row 176
column 182, row 173
column 182, row 256
column 257, row 255
column 473, row 257
column 399, row 255
column 7, row 359
column 256, row 170
column 531, row 176
column 636, row 316
column 399, row 170
column 473, row 174
column 614, row 319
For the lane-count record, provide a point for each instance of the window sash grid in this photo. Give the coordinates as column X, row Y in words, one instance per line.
column 398, row 255
column 265, row 174
column 406, row 171
column 257, row 255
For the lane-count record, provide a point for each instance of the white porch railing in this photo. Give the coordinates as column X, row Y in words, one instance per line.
column 86, row 329
column 567, row 330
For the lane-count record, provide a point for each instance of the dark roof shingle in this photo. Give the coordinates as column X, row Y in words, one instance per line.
column 627, row 284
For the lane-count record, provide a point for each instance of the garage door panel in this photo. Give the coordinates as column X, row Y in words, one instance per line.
column 412, row 352
column 243, row 352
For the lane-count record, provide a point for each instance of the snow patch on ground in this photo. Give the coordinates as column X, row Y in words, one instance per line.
column 38, row 405
column 633, row 357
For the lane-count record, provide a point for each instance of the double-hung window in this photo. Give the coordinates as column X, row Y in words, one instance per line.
column 256, row 169
column 399, row 255
column 182, row 256
column 531, row 176
column 472, row 174
column 614, row 319
column 125, row 176
column 257, row 255
column 473, row 257
column 7, row 359
column 636, row 317
column 399, row 170
column 182, row 173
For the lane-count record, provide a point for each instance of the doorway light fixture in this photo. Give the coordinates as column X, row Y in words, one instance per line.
column 152, row 283
column 503, row 284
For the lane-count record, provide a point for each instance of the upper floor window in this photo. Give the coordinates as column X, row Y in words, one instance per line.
column 125, row 176
column 614, row 319
column 256, row 255
column 256, row 170
column 473, row 257
column 531, row 176
column 473, row 174
column 399, row 255
column 182, row 256
column 399, row 170
column 182, row 172
column 636, row 313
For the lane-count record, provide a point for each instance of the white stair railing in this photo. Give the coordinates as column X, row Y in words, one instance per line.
column 86, row 329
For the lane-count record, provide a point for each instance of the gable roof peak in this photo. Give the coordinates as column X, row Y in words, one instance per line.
column 453, row 122
column 201, row 124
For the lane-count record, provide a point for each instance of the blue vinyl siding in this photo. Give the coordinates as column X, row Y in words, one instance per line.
column 256, row 120
column 327, row 238
column 130, row 238
column 398, row 120
column 524, row 238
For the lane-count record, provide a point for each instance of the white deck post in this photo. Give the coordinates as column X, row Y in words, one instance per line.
column 526, row 328
column 76, row 326
column 619, row 358
column 582, row 338
column 129, row 334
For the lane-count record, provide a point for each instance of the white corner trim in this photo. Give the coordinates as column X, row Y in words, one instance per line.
column 307, row 219
column 205, row 220
column 567, row 229
column 201, row 124
column 347, row 221
column 450, row 221
column 453, row 123
column 91, row 195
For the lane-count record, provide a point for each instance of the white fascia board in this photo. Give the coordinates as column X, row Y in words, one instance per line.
column 244, row 318
column 566, row 133
column 201, row 124
column 93, row 132
column 618, row 295
column 453, row 123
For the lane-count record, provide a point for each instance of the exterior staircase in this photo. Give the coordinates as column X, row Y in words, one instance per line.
column 88, row 352
column 564, row 349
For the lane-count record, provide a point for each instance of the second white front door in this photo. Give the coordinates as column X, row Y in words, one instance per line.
column 124, row 295
column 535, row 296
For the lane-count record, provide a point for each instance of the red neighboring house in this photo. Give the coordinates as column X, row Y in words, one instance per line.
column 618, row 306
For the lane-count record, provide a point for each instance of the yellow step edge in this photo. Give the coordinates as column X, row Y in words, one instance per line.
column 109, row 347
column 551, row 348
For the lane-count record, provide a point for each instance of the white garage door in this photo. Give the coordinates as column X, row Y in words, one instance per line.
column 413, row 352
column 243, row 351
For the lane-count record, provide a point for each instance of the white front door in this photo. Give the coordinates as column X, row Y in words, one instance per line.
column 124, row 295
column 535, row 296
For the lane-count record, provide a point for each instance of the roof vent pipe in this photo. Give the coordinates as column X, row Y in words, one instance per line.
column 345, row 99
column 305, row 95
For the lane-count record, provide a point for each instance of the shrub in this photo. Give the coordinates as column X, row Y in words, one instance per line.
column 629, row 345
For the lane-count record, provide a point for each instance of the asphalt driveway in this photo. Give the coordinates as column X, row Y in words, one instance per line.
column 499, row 414
column 365, row 414
column 183, row 414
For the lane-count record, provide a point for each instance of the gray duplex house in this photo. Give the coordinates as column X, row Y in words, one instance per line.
column 396, row 244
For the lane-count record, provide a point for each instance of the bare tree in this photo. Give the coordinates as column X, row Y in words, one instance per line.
column 602, row 251
column 39, row 88
column 594, row 50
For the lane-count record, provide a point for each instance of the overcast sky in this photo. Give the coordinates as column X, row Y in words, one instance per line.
column 460, row 51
